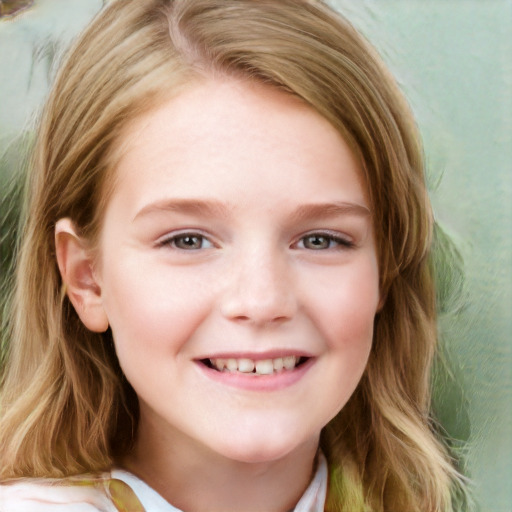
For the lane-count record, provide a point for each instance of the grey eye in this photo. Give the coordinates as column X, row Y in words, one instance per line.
column 187, row 242
column 317, row 242
column 323, row 241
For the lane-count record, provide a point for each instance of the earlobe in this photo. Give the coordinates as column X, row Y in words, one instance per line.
column 76, row 269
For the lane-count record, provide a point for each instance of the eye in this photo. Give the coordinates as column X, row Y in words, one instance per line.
column 187, row 242
column 323, row 241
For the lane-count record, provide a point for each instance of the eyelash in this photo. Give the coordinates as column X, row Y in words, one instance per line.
column 172, row 241
column 339, row 242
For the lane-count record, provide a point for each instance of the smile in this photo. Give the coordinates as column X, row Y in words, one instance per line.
column 255, row 367
column 272, row 370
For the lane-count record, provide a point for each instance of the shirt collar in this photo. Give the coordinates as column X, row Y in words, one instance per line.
column 313, row 499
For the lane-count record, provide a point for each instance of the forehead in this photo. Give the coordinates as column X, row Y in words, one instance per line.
column 230, row 134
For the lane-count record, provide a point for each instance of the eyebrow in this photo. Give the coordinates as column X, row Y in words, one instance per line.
column 205, row 208
column 209, row 208
column 325, row 210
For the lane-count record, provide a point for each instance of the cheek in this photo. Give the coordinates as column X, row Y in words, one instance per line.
column 345, row 304
column 153, row 313
column 348, row 331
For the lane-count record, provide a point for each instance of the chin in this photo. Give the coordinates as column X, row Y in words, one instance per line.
column 257, row 456
column 264, row 447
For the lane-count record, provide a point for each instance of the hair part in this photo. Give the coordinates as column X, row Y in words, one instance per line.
column 66, row 407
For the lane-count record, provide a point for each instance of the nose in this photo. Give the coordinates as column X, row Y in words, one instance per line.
column 259, row 289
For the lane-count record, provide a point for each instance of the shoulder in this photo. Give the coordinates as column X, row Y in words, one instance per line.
column 96, row 494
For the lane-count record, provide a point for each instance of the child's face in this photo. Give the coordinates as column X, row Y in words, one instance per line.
column 238, row 233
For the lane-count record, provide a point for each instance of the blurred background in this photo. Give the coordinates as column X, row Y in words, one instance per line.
column 453, row 60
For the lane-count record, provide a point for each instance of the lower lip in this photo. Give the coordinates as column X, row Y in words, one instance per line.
column 253, row 382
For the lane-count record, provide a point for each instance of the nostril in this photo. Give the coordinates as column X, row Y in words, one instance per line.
column 241, row 318
column 260, row 297
column 260, row 319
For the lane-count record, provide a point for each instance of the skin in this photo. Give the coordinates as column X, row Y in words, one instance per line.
column 238, row 226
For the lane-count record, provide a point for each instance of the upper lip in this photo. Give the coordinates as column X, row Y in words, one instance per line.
column 256, row 356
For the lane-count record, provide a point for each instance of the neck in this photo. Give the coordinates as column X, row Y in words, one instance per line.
column 204, row 481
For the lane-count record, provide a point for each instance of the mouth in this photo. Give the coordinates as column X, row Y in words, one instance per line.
column 255, row 367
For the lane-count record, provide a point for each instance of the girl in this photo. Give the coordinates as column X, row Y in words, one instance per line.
column 223, row 297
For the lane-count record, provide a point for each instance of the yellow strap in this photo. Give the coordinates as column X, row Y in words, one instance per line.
column 122, row 496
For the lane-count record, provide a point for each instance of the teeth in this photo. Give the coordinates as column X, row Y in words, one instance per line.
column 278, row 364
column 220, row 364
column 245, row 365
column 265, row 367
column 232, row 365
column 259, row 367
column 289, row 362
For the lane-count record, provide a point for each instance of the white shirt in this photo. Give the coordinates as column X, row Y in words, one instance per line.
column 312, row 500
column 71, row 495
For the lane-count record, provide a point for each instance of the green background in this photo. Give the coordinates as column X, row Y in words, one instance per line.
column 453, row 59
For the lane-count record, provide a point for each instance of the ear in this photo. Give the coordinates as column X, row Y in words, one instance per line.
column 77, row 272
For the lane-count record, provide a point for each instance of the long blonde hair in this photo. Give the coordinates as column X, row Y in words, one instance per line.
column 66, row 407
